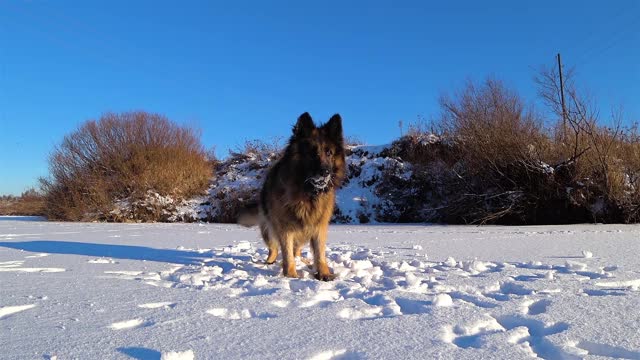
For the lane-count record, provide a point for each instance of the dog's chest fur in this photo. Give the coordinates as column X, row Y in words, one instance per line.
column 290, row 207
column 314, row 212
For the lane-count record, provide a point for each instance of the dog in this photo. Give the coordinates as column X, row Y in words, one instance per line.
column 298, row 195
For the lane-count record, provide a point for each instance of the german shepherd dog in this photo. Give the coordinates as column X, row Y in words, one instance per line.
column 298, row 195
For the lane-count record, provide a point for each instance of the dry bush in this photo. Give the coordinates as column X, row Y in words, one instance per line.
column 490, row 124
column 601, row 163
column 490, row 160
column 123, row 157
column 497, row 141
column 494, row 162
column 480, row 162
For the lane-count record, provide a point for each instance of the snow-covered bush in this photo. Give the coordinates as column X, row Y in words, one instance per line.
column 125, row 166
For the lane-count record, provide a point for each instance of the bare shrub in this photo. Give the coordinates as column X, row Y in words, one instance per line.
column 491, row 124
column 496, row 138
column 489, row 159
column 601, row 162
column 353, row 140
column 256, row 151
column 121, row 157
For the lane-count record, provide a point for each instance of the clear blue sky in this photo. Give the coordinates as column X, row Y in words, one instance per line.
column 243, row 70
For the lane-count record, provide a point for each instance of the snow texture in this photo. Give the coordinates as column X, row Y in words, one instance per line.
column 203, row 291
column 358, row 200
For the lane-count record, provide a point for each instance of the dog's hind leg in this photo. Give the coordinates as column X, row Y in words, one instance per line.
column 297, row 252
column 272, row 244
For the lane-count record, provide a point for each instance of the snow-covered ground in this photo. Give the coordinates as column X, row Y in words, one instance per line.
column 151, row 291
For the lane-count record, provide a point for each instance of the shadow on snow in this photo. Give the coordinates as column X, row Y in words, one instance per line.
column 126, row 252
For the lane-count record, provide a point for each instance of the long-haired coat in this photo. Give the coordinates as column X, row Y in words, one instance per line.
column 298, row 195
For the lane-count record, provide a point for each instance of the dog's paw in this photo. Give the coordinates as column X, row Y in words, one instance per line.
column 292, row 274
column 325, row 277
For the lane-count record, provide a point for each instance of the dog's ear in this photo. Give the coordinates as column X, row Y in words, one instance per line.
column 334, row 127
column 304, row 126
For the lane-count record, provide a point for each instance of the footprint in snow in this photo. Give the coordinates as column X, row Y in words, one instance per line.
column 506, row 290
column 471, row 335
column 520, row 331
column 531, row 307
column 414, row 307
column 604, row 350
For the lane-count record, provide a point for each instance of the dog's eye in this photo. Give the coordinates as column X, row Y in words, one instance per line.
column 328, row 152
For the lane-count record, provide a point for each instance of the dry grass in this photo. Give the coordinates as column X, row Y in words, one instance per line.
column 256, row 150
column 30, row 203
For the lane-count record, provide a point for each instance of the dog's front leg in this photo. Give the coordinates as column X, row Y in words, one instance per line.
column 288, row 260
column 318, row 244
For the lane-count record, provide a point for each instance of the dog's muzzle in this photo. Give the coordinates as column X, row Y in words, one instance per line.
column 320, row 183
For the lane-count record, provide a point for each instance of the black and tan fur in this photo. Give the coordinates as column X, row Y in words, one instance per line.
column 298, row 195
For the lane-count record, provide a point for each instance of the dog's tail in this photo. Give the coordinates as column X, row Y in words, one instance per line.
column 249, row 215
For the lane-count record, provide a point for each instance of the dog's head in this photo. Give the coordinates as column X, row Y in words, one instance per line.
column 318, row 154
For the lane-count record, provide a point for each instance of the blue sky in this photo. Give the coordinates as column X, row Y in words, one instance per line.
column 245, row 70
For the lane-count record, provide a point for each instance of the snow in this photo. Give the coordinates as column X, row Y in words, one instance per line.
column 8, row 310
column 443, row 300
column 202, row 291
column 127, row 324
column 178, row 355
column 357, row 200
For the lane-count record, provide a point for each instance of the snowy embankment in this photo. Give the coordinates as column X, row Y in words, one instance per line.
column 239, row 178
column 151, row 291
